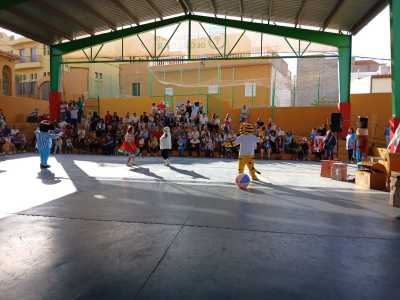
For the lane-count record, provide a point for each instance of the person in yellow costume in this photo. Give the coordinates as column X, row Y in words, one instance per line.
column 247, row 140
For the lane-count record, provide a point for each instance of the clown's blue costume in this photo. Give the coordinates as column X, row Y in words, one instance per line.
column 44, row 141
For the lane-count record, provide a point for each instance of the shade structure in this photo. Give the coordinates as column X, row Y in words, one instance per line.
column 50, row 21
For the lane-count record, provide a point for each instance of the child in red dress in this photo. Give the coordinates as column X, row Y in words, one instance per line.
column 129, row 147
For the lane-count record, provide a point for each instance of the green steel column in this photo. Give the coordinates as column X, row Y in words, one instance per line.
column 344, row 74
column 273, row 98
column 190, row 40
column 233, row 88
column 395, row 44
column 55, row 69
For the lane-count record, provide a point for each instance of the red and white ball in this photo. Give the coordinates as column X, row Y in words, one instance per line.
column 242, row 181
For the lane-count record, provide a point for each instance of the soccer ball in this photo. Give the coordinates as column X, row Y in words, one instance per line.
column 242, row 181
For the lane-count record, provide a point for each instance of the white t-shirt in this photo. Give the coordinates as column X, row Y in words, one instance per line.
column 248, row 143
column 74, row 113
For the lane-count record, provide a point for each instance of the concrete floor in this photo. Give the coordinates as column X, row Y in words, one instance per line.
column 93, row 228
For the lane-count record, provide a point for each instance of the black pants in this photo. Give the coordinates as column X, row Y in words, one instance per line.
column 165, row 153
column 350, row 154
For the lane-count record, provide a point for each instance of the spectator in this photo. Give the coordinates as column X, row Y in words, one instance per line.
column 350, row 144
column 329, row 145
column 244, row 114
column 2, row 118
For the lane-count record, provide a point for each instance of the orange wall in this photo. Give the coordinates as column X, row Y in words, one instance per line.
column 298, row 119
column 75, row 83
column 378, row 109
column 16, row 109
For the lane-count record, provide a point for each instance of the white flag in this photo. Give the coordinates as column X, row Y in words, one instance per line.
column 395, row 139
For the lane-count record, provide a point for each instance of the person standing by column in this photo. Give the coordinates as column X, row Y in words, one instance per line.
column 350, row 144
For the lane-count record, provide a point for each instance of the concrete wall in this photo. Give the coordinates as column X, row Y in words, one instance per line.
column 75, row 83
column 316, row 73
column 381, row 85
column 193, row 79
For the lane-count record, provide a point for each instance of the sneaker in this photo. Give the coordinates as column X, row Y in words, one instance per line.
column 42, row 166
column 166, row 163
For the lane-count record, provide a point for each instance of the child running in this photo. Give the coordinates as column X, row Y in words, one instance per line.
column 129, row 148
column 165, row 144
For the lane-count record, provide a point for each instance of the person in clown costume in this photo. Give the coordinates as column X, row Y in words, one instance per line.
column 247, row 140
column 44, row 141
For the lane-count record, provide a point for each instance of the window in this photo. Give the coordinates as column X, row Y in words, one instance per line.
column 169, row 91
column 6, row 81
column 46, row 50
column 22, row 57
column 136, row 89
column 98, row 75
column 33, row 77
column 34, row 54
column 250, row 89
column 213, row 89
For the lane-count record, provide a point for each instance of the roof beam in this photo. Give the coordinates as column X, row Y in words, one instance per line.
column 269, row 10
column 94, row 12
column 62, row 15
column 38, row 22
column 188, row 5
column 297, row 22
column 374, row 11
column 321, row 37
column 325, row 38
column 154, row 8
column 7, row 4
column 102, row 38
column 122, row 7
column 183, row 6
column 24, row 32
column 214, row 6
column 332, row 14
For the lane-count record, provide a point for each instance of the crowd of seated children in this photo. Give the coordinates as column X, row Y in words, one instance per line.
column 12, row 140
column 193, row 132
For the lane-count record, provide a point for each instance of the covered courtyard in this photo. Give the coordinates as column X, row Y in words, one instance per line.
column 93, row 228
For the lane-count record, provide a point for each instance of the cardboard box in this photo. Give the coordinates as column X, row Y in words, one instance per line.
column 326, row 168
column 394, row 199
column 371, row 180
column 339, row 171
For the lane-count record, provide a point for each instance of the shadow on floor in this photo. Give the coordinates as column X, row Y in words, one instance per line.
column 311, row 196
column 193, row 174
column 48, row 177
column 147, row 172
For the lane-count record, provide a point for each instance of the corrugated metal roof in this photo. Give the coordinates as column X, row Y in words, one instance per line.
column 49, row 21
